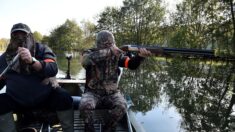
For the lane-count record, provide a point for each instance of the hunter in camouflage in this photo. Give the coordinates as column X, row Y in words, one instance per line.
column 102, row 71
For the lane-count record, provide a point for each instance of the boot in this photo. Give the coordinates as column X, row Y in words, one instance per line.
column 110, row 126
column 107, row 128
column 66, row 120
column 7, row 123
column 89, row 127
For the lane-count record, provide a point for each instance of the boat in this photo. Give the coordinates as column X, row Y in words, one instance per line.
column 42, row 120
column 45, row 121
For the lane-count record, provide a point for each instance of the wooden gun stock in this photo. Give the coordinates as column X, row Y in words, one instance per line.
column 182, row 52
column 135, row 48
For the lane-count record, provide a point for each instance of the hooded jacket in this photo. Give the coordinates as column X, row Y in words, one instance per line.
column 27, row 89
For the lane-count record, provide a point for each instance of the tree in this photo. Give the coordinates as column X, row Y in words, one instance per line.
column 88, row 29
column 37, row 36
column 138, row 21
column 65, row 37
column 45, row 40
column 108, row 19
column 3, row 44
column 203, row 24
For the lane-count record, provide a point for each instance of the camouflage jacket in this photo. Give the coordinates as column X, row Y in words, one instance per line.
column 102, row 67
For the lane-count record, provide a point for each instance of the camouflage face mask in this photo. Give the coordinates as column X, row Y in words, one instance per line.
column 26, row 41
column 19, row 41
column 104, row 39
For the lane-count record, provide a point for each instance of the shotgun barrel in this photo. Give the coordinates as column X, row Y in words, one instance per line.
column 172, row 52
column 10, row 65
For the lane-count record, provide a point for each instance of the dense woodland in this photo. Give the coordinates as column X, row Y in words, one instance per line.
column 202, row 91
column 207, row 24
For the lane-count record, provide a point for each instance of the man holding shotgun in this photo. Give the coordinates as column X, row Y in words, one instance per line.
column 25, row 81
column 102, row 71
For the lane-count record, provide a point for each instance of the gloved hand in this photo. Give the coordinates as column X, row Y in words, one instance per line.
column 144, row 53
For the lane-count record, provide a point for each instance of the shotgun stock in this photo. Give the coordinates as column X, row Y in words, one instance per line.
column 182, row 52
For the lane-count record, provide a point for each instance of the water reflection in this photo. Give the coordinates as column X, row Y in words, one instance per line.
column 75, row 66
column 200, row 91
column 162, row 118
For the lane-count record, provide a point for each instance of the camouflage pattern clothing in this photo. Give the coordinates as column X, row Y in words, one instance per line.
column 102, row 69
column 102, row 72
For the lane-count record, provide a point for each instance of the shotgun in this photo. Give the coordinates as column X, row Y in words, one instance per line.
column 10, row 65
column 182, row 52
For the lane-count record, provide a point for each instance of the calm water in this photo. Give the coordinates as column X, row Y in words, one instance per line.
column 172, row 95
column 160, row 118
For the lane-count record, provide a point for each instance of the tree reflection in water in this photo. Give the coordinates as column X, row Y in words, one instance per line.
column 200, row 90
column 75, row 66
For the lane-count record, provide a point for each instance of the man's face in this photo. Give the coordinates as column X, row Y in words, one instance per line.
column 19, row 38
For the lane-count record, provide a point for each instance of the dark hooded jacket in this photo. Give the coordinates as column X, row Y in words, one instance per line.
column 27, row 89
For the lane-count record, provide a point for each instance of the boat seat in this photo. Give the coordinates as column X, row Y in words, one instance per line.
column 35, row 118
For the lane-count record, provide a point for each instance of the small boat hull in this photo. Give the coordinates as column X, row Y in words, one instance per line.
column 45, row 121
column 49, row 121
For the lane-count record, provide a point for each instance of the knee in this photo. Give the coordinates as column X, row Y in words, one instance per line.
column 64, row 101
column 120, row 110
column 86, row 106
